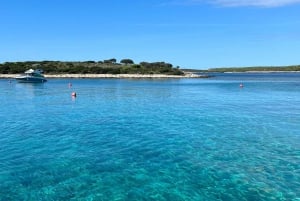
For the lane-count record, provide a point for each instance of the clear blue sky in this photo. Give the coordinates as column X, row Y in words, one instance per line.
column 197, row 34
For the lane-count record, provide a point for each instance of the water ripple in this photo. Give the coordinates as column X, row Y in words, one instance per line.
column 150, row 140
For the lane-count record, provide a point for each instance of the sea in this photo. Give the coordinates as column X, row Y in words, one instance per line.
column 230, row 137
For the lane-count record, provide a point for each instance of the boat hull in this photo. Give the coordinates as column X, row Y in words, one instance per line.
column 27, row 79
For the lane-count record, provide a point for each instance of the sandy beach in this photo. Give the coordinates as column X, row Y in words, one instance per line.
column 188, row 75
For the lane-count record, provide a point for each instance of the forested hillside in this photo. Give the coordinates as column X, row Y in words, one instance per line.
column 110, row 66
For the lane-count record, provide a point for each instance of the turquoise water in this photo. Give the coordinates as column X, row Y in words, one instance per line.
column 152, row 139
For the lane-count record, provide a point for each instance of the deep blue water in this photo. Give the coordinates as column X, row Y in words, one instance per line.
column 152, row 139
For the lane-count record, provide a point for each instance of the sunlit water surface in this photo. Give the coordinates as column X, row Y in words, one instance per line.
column 152, row 139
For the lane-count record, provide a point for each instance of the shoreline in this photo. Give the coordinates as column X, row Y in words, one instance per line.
column 264, row 72
column 138, row 76
column 188, row 75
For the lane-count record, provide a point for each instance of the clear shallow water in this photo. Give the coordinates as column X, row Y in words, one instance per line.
column 161, row 139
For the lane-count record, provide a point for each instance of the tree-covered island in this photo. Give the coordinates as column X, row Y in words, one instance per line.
column 125, row 66
column 109, row 66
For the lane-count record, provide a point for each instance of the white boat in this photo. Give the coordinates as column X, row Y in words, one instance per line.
column 32, row 76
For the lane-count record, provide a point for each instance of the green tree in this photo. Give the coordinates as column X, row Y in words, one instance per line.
column 110, row 61
column 126, row 61
column 113, row 60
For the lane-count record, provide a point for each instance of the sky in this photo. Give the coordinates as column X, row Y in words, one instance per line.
column 197, row 34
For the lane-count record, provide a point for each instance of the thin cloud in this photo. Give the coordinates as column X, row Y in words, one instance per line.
column 242, row 3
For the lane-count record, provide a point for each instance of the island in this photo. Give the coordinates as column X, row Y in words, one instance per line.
column 126, row 68
column 261, row 69
column 109, row 68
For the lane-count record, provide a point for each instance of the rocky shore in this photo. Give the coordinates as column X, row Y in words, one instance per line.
column 187, row 75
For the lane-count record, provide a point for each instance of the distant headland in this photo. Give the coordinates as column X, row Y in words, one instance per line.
column 292, row 68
